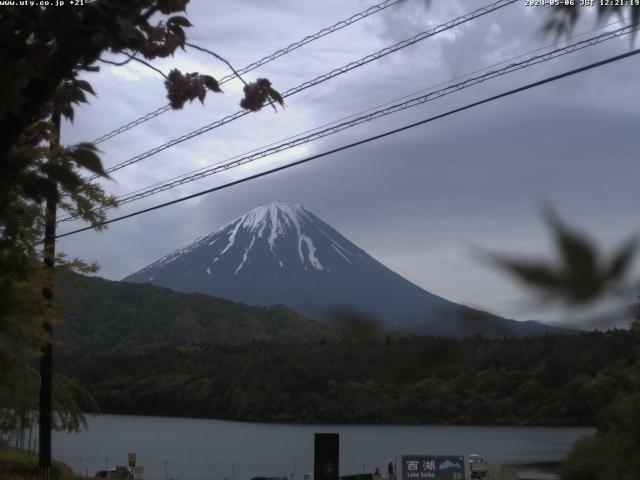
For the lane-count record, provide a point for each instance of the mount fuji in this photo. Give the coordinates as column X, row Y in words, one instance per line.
column 283, row 254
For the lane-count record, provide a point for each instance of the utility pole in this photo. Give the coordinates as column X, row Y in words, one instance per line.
column 46, row 361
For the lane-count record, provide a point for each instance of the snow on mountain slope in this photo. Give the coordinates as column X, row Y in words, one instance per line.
column 283, row 254
column 278, row 226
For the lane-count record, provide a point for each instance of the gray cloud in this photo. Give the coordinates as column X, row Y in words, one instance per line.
column 420, row 201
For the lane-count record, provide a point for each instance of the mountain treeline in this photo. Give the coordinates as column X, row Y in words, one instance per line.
column 548, row 380
column 102, row 315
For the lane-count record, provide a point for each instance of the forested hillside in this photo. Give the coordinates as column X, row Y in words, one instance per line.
column 101, row 315
column 549, row 380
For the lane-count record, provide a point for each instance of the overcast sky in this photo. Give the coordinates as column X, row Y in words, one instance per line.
column 422, row 202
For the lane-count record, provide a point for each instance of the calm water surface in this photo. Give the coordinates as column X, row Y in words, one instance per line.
column 196, row 449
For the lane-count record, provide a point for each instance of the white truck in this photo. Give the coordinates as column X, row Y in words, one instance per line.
column 477, row 466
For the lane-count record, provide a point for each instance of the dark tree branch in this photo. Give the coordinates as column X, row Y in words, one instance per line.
column 74, row 49
column 147, row 64
column 214, row 54
column 118, row 64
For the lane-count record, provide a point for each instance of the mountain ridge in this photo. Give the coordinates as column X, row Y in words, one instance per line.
column 102, row 315
column 281, row 253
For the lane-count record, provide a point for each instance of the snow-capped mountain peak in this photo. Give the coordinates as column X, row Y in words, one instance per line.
column 275, row 219
column 288, row 233
column 281, row 253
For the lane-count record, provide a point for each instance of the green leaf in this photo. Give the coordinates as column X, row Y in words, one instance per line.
column 211, row 83
column 67, row 112
column 127, row 28
column 621, row 260
column 275, row 96
column 576, row 250
column 63, row 175
column 10, row 95
column 178, row 32
column 100, row 40
column 69, row 93
column 87, row 158
column 179, row 20
column 86, row 86
column 532, row 273
column 87, row 146
column 581, row 275
column 37, row 187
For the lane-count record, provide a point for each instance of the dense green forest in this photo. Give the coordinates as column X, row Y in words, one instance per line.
column 549, row 380
column 101, row 315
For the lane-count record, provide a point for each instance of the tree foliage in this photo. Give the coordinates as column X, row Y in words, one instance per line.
column 564, row 16
column 16, row 465
column 614, row 450
column 580, row 275
column 19, row 403
column 101, row 315
column 47, row 54
column 548, row 380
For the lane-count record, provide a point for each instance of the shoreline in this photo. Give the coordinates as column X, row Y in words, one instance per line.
column 324, row 423
column 530, row 471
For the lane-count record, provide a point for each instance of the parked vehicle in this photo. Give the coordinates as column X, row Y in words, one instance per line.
column 477, row 466
column 357, row 476
column 118, row 473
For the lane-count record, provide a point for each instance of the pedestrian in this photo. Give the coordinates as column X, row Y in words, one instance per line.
column 376, row 474
column 392, row 473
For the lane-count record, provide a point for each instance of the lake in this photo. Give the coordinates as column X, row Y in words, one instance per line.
column 197, row 449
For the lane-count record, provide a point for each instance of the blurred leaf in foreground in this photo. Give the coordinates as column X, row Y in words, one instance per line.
column 581, row 273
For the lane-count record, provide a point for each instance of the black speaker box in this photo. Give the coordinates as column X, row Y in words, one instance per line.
column 326, row 456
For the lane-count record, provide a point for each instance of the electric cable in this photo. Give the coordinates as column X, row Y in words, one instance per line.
column 320, row 79
column 252, row 66
column 335, row 127
column 361, row 142
column 389, row 102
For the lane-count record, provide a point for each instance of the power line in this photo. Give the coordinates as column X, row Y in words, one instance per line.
column 380, row 113
column 335, row 127
column 362, row 142
column 430, row 88
column 252, row 66
column 322, row 78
